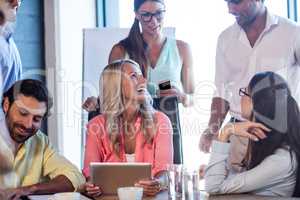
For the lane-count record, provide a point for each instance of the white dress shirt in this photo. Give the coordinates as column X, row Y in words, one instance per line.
column 277, row 49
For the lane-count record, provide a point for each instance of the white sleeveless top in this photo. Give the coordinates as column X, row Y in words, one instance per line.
column 168, row 66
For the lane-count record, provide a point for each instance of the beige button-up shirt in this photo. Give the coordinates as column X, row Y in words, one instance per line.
column 34, row 162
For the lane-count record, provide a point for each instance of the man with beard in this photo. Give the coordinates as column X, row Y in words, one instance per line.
column 10, row 62
column 33, row 167
column 259, row 41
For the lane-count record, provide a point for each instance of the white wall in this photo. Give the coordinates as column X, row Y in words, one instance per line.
column 74, row 16
column 52, row 62
column 68, row 19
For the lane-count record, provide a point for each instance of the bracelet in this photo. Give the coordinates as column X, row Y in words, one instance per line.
column 208, row 132
column 187, row 100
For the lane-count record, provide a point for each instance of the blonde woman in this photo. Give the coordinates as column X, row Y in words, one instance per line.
column 129, row 130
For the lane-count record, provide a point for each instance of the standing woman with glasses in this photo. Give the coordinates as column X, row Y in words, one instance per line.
column 161, row 59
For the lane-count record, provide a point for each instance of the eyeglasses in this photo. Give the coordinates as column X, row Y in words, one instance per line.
column 147, row 16
column 243, row 92
column 234, row 1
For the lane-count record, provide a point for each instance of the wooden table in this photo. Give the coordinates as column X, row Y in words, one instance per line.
column 205, row 196
column 246, row 197
column 164, row 196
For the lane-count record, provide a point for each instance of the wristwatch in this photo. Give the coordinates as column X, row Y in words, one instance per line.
column 207, row 132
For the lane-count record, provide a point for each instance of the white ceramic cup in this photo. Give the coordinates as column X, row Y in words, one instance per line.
column 130, row 193
column 66, row 196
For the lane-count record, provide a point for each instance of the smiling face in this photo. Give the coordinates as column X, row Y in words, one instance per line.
column 244, row 11
column 151, row 15
column 133, row 83
column 23, row 117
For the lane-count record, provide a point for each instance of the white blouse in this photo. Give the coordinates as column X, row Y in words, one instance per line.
column 274, row 176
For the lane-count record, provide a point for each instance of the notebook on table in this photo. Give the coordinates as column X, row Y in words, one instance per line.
column 49, row 197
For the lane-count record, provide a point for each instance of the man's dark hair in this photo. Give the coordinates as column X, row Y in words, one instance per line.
column 29, row 88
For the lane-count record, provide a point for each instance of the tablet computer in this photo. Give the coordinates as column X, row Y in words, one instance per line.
column 110, row 176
